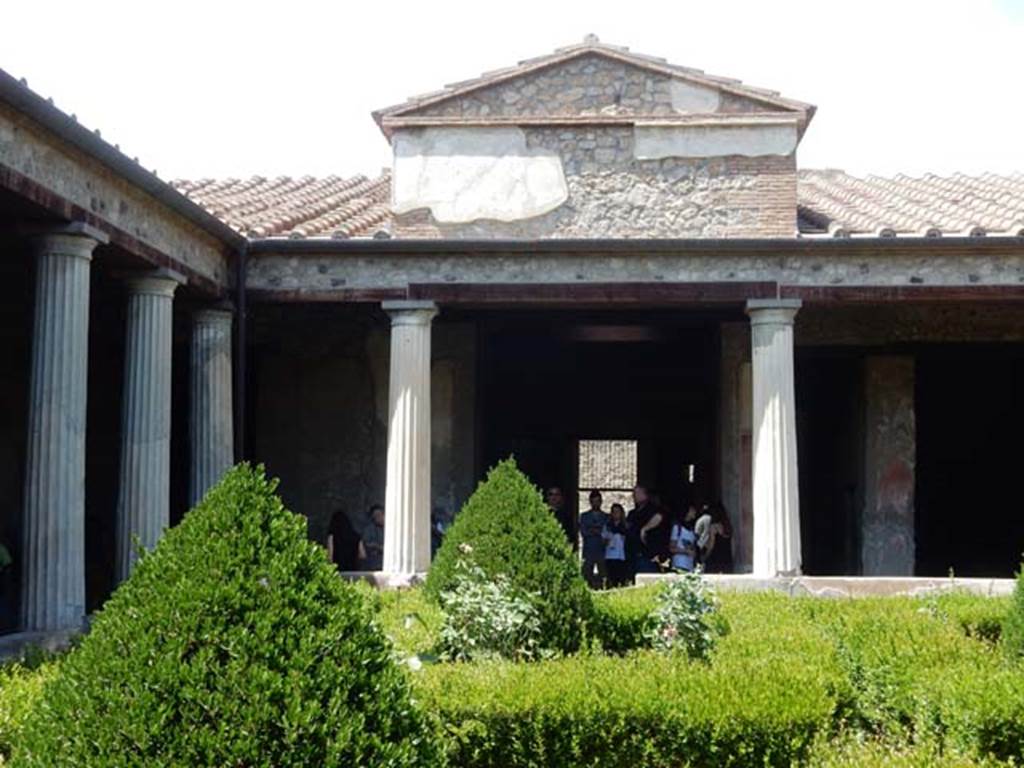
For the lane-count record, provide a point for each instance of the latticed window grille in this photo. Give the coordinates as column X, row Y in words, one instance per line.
column 609, row 466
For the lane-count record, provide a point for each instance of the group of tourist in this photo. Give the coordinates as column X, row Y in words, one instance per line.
column 353, row 550
column 363, row 550
column 617, row 545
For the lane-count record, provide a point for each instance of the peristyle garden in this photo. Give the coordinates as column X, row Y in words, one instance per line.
column 235, row 643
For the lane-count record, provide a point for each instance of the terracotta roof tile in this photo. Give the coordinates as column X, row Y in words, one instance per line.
column 932, row 205
column 333, row 206
column 829, row 202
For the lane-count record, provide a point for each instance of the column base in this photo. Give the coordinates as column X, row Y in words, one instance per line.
column 384, row 579
column 15, row 645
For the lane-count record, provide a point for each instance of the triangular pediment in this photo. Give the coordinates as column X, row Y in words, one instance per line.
column 589, row 81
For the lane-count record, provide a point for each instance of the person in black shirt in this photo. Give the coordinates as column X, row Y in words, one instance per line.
column 648, row 535
column 342, row 542
column 556, row 503
column 718, row 552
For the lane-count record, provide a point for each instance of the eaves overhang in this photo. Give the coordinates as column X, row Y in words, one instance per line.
column 19, row 97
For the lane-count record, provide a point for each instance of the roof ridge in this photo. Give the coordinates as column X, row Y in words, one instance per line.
column 590, row 45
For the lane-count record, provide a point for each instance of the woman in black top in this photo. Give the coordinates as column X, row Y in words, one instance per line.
column 342, row 542
column 718, row 558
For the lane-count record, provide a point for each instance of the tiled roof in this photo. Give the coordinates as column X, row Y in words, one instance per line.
column 837, row 203
column 332, row 206
column 829, row 203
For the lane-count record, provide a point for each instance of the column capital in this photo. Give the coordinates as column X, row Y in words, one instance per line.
column 76, row 239
column 409, row 312
column 157, row 282
column 218, row 315
column 773, row 311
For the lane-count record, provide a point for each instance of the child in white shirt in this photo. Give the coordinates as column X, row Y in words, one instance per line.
column 614, row 535
column 682, row 542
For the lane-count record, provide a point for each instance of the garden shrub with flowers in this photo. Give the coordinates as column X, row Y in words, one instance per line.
column 685, row 618
column 487, row 618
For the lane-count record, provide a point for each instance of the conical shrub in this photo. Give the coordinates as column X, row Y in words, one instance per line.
column 506, row 528
column 234, row 643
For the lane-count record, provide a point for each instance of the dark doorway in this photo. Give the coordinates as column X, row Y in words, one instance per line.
column 970, row 419
column 550, row 380
column 829, row 393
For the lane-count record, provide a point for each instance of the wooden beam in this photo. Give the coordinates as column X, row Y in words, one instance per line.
column 602, row 294
column 881, row 294
column 339, row 296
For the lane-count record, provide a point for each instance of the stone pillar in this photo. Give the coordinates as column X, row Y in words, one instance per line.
column 53, row 544
column 890, row 451
column 776, row 491
column 210, row 423
column 734, row 437
column 407, row 491
column 143, row 505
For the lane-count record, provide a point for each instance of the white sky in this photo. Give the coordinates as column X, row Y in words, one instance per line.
column 220, row 88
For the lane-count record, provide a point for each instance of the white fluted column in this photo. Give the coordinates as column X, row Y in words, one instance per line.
column 776, row 492
column 53, row 542
column 407, row 494
column 143, row 506
column 210, row 423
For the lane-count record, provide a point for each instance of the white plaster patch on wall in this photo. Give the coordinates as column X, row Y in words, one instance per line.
column 653, row 142
column 468, row 174
column 687, row 97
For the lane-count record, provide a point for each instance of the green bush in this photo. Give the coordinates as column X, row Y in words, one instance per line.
column 867, row 682
column 486, row 617
column 904, row 660
column 979, row 618
column 620, row 618
column 233, row 643
column 686, row 618
column 505, row 528
column 772, row 686
column 1013, row 625
column 922, row 674
column 850, row 750
column 20, row 689
column 975, row 708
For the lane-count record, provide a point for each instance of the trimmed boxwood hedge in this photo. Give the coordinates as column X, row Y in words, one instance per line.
column 21, row 687
column 762, row 701
column 978, row 617
column 506, row 528
column 233, row 643
column 825, row 682
column 620, row 617
column 881, row 682
column 1013, row 627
